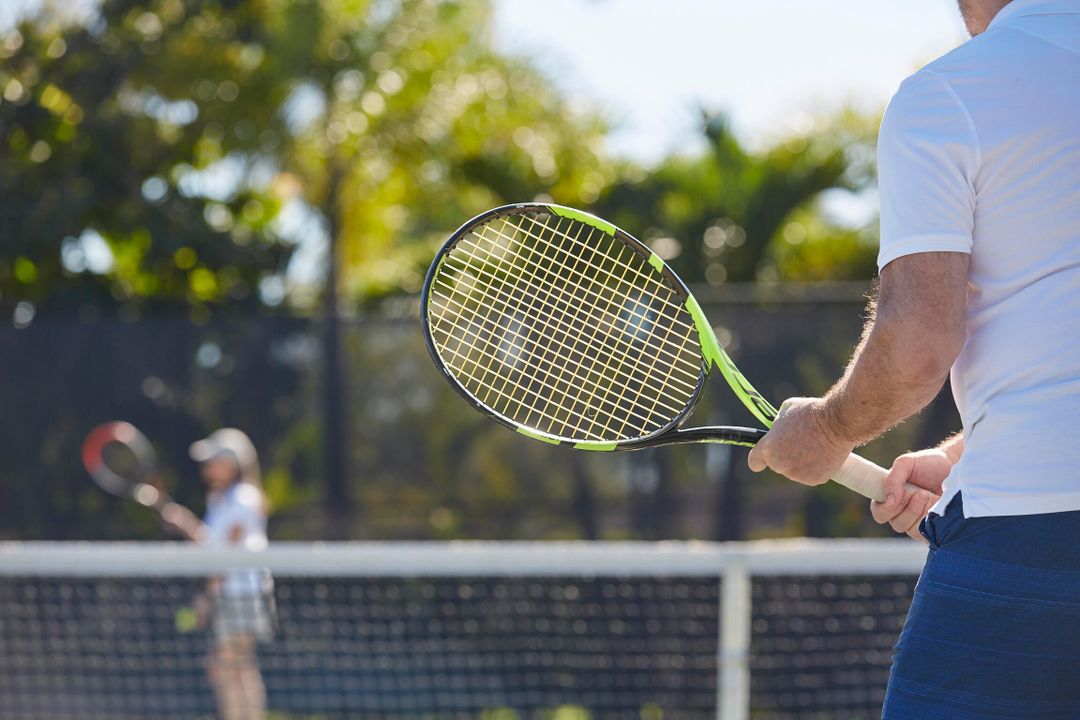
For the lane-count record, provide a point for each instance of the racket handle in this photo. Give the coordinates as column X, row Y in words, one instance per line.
column 862, row 476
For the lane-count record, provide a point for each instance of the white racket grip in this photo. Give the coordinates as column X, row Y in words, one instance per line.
column 862, row 476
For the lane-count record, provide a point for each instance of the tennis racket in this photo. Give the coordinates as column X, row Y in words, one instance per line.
column 570, row 331
column 121, row 461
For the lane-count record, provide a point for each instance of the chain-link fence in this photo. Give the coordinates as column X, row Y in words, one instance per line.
column 419, row 462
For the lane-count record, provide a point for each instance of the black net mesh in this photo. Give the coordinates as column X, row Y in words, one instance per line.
column 494, row 648
column 821, row 647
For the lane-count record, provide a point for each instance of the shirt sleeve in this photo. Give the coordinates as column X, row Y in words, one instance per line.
column 928, row 154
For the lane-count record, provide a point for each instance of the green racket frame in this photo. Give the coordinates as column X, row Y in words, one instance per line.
column 713, row 354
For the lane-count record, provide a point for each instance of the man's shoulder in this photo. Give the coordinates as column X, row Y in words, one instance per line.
column 927, row 105
column 972, row 57
column 999, row 50
column 955, row 72
column 921, row 95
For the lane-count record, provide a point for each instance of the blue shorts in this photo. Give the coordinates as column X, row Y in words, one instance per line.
column 994, row 627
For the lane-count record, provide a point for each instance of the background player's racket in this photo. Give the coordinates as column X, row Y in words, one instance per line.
column 570, row 331
column 122, row 462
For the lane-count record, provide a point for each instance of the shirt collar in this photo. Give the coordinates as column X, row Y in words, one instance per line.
column 1023, row 8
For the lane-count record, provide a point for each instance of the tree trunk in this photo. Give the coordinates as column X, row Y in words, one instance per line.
column 339, row 505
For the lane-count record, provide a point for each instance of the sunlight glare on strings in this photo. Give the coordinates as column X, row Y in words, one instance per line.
column 563, row 329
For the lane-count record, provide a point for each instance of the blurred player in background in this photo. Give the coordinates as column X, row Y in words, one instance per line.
column 979, row 175
column 237, row 607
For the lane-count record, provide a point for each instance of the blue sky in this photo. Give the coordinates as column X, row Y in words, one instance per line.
column 770, row 64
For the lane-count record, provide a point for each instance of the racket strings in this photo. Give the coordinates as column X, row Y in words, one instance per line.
column 121, row 467
column 643, row 281
column 608, row 371
column 545, row 353
column 490, row 387
column 638, row 311
column 667, row 378
column 478, row 372
column 694, row 367
column 120, row 458
column 531, row 308
column 552, row 356
column 562, row 331
column 550, row 359
column 507, row 301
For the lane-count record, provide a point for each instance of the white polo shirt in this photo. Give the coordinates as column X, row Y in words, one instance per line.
column 979, row 152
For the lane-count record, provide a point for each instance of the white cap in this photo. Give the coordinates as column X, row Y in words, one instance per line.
column 226, row 441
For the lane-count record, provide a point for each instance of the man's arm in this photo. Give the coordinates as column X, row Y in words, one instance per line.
column 953, row 447
column 910, row 343
column 907, row 349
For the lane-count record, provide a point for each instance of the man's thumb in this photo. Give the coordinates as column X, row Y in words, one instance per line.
column 755, row 460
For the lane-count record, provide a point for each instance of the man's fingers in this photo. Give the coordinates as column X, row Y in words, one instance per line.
column 911, row 515
column 913, row 531
column 907, row 505
column 908, row 514
column 915, row 534
column 898, row 476
column 883, row 513
column 914, row 511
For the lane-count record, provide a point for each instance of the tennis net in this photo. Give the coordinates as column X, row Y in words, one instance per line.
column 498, row 631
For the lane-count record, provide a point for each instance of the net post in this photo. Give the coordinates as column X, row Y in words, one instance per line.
column 733, row 661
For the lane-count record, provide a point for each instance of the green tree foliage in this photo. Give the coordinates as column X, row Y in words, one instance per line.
column 103, row 131
column 810, row 247
column 175, row 130
column 418, row 124
column 732, row 215
column 174, row 138
column 179, row 152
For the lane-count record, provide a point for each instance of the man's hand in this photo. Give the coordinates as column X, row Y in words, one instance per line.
column 916, row 332
column 925, row 469
column 801, row 445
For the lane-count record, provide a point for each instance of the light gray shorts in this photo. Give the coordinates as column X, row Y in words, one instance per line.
column 244, row 615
